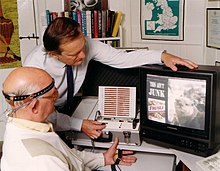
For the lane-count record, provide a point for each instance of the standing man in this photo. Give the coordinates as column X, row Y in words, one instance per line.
column 30, row 144
column 64, row 45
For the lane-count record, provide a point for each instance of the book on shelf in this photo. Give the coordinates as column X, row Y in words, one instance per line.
column 110, row 22
column 54, row 15
column 104, row 22
column 84, row 22
column 66, row 14
column 74, row 15
column 92, row 23
column 48, row 17
column 79, row 18
column 117, row 21
column 88, row 23
column 61, row 14
column 95, row 24
column 99, row 23
column 113, row 43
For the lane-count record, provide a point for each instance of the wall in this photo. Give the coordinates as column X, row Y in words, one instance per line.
column 35, row 22
column 193, row 47
column 212, row 54
column 26, row 25
column 3, row 104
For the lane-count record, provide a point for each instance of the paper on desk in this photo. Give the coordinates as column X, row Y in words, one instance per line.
column 211, row 163
column 188, row 159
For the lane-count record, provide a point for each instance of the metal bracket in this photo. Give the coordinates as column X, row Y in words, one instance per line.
column 29, row 37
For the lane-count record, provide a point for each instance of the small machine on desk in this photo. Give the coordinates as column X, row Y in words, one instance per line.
column 115, row 107
column 124, row 125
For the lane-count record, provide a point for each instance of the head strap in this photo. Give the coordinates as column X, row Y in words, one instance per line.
column 26, row 98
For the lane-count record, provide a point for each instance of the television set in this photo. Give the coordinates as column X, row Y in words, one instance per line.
column 181, row 109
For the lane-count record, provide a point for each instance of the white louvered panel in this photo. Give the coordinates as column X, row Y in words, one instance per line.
column 117, row 101
column 123, row 102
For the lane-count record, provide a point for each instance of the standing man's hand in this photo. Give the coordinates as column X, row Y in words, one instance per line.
column 171, row 61
column 92, row 128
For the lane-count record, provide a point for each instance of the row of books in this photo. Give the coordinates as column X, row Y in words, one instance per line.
column 94, row 23
column 113, row 43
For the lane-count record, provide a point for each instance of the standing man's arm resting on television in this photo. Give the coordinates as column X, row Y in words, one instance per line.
column 170, row 61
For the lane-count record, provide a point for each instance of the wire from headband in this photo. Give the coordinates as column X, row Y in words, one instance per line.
column 26, row 98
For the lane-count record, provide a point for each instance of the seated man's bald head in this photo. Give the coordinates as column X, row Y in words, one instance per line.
column 31, row 93
column 26, row 80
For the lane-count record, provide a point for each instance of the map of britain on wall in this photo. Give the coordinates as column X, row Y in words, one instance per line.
column 162, row 19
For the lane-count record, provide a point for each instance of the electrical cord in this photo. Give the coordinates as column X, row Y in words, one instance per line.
column 117, row 161
column 93, row 145
column 113, row 167
column 118, row 168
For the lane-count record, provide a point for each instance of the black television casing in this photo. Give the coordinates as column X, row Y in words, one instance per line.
column 196, row 141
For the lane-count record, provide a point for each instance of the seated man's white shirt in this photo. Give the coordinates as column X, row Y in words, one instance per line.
column 34, row 146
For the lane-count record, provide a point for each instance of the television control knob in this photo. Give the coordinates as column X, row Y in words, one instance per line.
column 127, row 136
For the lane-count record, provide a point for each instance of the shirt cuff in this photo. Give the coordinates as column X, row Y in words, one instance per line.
column 76, row 123
column 101, row 159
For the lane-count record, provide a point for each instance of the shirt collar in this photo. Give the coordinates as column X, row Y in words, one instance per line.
column 31, row 125
column 55, row 62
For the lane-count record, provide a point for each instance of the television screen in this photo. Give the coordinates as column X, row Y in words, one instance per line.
column 176, row 101
column 181, row 109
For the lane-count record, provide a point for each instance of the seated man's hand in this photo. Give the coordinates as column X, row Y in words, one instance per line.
column 171, row 61
column 110, row 154
column 92, row 128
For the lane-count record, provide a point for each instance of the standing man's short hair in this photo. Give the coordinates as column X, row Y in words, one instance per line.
column 59, row 31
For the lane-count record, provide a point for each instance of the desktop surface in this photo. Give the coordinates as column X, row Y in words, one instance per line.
column 149, row 161
column 145, row 152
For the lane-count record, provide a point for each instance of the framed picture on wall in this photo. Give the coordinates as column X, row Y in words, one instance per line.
column 213, row 28
column 9, row 36
column 162, row 20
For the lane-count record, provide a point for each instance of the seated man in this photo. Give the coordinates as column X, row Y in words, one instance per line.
column 29, row 141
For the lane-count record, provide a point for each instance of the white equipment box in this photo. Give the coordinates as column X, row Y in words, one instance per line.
column 116, row 107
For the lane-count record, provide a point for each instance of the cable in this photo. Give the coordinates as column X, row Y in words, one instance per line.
column 119, row 168
column 117, row 161
column 113, row 167
column 93, row 145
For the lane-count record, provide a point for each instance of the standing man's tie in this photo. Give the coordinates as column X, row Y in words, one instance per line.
column 70, row 89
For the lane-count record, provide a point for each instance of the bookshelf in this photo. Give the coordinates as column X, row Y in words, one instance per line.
column 109, row 40
column 91, row 22
column 115, row 41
